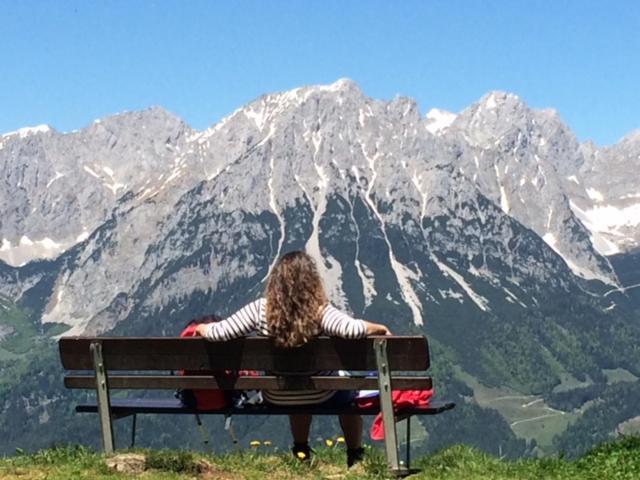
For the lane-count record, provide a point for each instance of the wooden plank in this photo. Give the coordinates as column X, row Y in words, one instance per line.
column 173, row 382
column 255, row 353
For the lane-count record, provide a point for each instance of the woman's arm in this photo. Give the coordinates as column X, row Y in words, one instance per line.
column 240, row 324
column 338, row 324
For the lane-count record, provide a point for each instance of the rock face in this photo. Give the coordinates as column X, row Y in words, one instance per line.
column 150, row 212
column 58, row 188
column 520, row 159
column 310, row 168
column 609, row 201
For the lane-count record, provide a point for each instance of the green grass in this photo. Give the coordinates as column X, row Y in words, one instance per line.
column 617, row 460
column 619, row 375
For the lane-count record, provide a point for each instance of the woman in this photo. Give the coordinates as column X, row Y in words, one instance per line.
column 294, row 311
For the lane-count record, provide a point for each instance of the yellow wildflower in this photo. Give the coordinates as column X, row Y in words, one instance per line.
column 340, row 440
column 328, row 442
column 267, row 443
column 254, row 443
column 301, row 455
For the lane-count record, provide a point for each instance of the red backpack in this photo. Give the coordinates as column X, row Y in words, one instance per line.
column 207, row 399
column 197, row 398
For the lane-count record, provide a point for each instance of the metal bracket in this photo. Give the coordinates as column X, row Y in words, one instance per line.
column 386, row 407
column 102, row 394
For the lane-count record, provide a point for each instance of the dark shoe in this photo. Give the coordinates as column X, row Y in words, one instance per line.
column 301, row 451
column 354, row 455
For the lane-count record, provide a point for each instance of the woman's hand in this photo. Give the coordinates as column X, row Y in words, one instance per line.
column 376, row 328
column 201, row 330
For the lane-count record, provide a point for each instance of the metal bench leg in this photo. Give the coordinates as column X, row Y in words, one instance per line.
column 408, row 445
column 386, row 407
column 203, row 432
column 102, row 394
column 133, row 430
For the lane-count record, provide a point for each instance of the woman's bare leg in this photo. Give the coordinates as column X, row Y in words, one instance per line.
column 300, row 426
column 352, row 428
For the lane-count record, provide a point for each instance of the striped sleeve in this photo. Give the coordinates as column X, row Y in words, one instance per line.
column 240, row 324
column 338, row 324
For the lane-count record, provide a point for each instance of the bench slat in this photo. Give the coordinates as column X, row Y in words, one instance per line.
column 125, row 406
column 255, row 353
column 173, row 382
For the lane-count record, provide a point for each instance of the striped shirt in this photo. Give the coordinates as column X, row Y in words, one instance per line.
column 252, row 318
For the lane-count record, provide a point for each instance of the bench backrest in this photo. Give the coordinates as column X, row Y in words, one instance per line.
column 404, row 353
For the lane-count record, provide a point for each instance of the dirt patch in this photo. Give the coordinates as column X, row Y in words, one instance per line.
column 131, row 463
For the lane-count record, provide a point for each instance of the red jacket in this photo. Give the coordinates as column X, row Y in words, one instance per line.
column 400, row 399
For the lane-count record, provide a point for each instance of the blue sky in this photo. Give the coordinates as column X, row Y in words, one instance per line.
column 65, row 63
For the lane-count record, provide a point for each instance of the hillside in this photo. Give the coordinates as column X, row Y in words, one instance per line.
column 620, row 460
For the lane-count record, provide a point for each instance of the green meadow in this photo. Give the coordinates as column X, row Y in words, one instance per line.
column 616, row 460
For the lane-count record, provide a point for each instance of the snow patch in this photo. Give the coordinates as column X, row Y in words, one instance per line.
column 90, row 172
column 479, row 300
column 27, row 250
column 491, row 103
column 356, row 173
column 417, row 182
column 28, row 131
column 608, row 217
column 332, row 274
column 551, row 240
column 56, row 177
column 274, row 207
column 114, row 187
column 607, row 220
column 504, row 200
column 513, row 298
column 451, row 294
column 365, row 274
column 257, row 117
column 573, row 179
column 632, row 195
column 595, row 195
column 213, row 175
column 438, row 121
column 403, row 274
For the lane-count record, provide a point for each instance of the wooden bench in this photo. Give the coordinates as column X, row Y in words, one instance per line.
column 108, row 363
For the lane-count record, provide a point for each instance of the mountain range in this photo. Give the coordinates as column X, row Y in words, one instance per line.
column 493, row 231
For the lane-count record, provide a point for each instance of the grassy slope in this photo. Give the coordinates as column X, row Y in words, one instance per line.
column 20, row 340
column 528, row 416
column 619, row 460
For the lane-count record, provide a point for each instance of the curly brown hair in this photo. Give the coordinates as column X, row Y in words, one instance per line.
column 295, row 300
